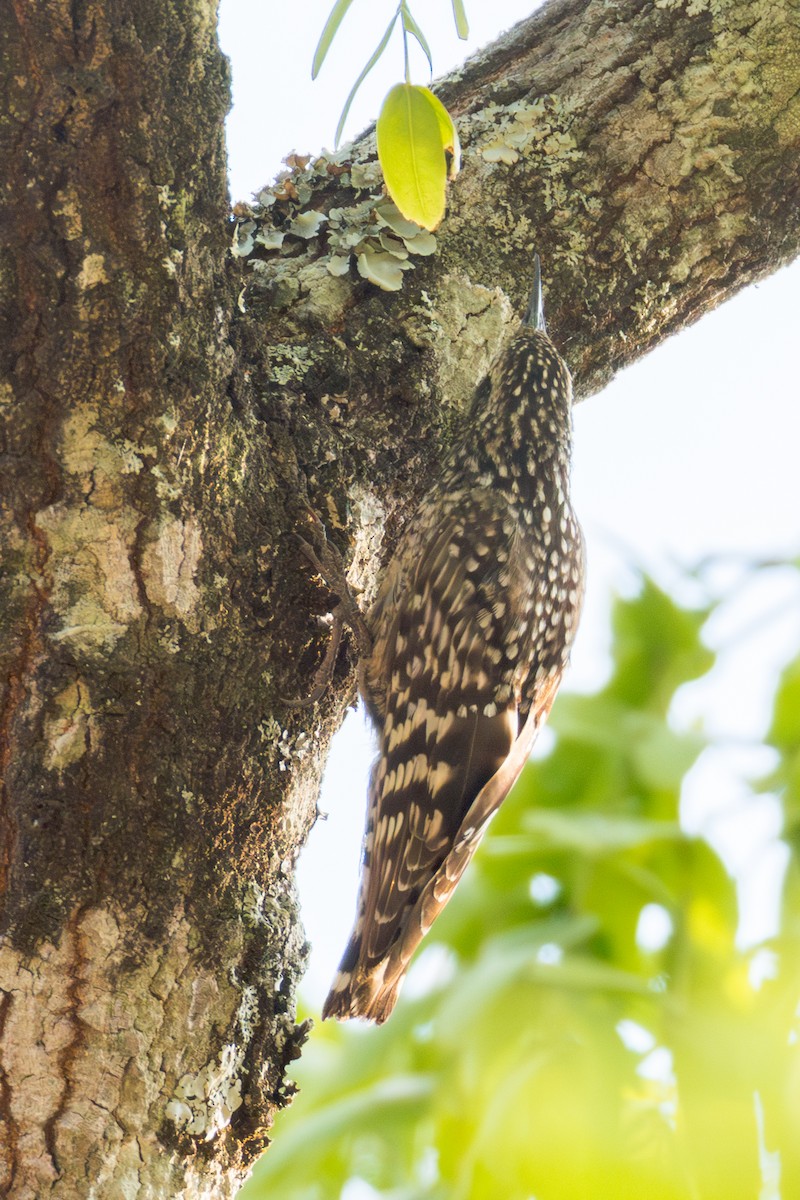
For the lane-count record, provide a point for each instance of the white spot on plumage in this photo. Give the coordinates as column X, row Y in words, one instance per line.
column 440, row 778
column 419, row 772
column 481, row 579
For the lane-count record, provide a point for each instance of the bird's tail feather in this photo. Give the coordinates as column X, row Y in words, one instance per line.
column 371, row 990
column 364, row 993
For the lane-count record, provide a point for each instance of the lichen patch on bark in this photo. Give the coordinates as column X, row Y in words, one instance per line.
column 94, row 590
column 92, row 272
column 67, row 727
column 169, row 565
column 87, row 453
column 466, row 322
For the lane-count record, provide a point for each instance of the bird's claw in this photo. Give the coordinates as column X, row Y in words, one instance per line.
column 327, row 563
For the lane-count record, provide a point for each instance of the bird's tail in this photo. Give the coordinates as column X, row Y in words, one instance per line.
column 367, row 992
column 370, row 989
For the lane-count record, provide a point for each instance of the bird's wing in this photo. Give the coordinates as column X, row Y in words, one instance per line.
column 444, row 733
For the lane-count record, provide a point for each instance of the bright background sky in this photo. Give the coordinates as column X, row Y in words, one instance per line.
column 692, row 452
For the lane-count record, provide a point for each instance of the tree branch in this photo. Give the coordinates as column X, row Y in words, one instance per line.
column 159, row 447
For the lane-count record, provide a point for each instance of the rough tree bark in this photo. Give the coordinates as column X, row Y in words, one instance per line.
column 161, row 432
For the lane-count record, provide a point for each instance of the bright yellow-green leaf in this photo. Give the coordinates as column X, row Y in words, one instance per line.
column 332, row 24
column 462, row 25
column 411, row 153
column 411, row 26
column 448, row 133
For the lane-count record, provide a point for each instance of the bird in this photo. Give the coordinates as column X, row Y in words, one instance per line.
column 464, row 650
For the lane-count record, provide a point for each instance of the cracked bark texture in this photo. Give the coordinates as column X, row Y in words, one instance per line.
column 159, row 444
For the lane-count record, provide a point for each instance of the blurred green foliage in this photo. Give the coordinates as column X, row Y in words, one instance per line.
column 599, row 1035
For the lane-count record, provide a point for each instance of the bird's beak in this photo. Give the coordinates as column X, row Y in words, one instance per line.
column 534, row 317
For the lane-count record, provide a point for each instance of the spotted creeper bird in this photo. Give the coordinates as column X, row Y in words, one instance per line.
column 470, row 634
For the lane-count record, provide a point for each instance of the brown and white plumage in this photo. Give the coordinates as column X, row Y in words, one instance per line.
column 471, row 632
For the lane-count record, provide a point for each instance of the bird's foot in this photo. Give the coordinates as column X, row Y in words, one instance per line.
column 327, row 563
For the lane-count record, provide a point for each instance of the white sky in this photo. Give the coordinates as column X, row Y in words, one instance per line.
column 693, row 451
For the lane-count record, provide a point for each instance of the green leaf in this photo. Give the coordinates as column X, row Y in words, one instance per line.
column 363, row 1107
column 657, row 647
column 411, row 153
column 460, row 17
column 784, row 731
column 563, row 1058
column 592, row 834
column 447, row 129
column 382, row 44
column 333, row 22
column 411, row 26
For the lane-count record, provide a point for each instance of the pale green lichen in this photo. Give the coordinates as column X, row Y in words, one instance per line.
column 171, row 262
column 169, row 564
column 506, row 133
column 169, row 639
column 364, row 176
column 649, row 304
column 270, row 239
column 307, row 225
column 204, row 1102
column 339, row 264
column 67, row 727
column 244, row 238
column 285, row 749
column 94, row 591
column 694, row 8
column 704, row 128
column 383, row 269
column 465, row 325
column 86, row 451
column 289, row 363
column 365, row 231
column 254, row 904
column 539, row 131
column 573, row 248
column 166, row 487
column 270, row 731
column 370, row 234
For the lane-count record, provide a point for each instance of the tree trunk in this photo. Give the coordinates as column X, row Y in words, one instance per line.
column 167, row 415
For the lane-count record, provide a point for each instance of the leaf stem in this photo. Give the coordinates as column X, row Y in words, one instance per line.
column 403, row 11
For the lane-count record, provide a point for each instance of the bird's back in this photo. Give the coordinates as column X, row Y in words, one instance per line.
column 471, row 630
